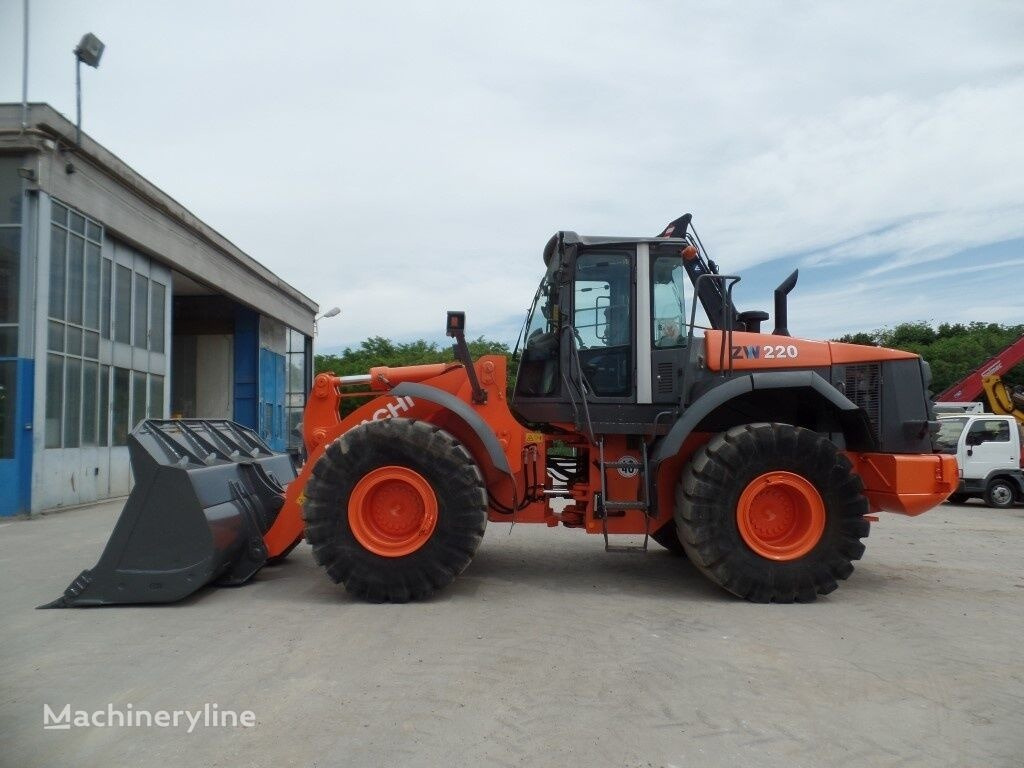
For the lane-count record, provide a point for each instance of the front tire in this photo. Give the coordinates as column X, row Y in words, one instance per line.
column 395, row 510
column 1000, row 494
column 772, row 512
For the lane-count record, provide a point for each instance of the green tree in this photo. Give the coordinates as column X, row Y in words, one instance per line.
column 377, row 351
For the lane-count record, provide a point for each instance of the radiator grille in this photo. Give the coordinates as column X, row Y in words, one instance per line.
column 664, row 378
column 864, row 388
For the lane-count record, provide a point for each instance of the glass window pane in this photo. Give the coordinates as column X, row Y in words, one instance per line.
column 8, row 341
column 156, row 397
column 104, row 395
column 54, row 399
column 77, row 223
column 141, row 311
column 10, row 190
column 58, row 213
column 93, row 231
column 55, row 336
column 602, row 318
column 90, row 385
column 294, row 433
column 91, row 344
column 119, row 431
column 73, row 341
column 10, row 266
column 156, row 325
column 105, row 303
column 123, row 316
column 92, row 286
column 296, row 373
column 138, row 397
column 668, row 308
column 72, row 401
column 8, row 401
column 58, row 251
column 76, row 261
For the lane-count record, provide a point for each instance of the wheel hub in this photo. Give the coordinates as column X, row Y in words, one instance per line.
column 392, row 511
column 780, row 516
column 1001, row 495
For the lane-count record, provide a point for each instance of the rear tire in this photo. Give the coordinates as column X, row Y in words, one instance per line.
column 958, row 498
column 667, row 537
column 800, row 565
column 1000, row 494
column 440, row 468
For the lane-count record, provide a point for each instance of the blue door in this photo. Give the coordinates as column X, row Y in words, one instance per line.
column 16, row 383
column 272, row 385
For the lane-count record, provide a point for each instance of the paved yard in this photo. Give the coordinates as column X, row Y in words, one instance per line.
column 546, row 652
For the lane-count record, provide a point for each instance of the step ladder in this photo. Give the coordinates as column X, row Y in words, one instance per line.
column 605, row 508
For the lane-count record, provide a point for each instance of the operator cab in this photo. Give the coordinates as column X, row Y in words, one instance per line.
column 609, row 324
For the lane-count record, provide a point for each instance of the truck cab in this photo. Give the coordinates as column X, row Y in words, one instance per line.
column 988, row 450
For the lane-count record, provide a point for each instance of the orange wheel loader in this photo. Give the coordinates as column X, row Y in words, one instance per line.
column 759, row 456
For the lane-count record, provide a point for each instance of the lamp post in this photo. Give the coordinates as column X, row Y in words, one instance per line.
column 89, row 51
column 332, row 312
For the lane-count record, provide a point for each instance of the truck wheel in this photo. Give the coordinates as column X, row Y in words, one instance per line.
column 667, row 537
column 771, row 512
column 999, row 494
column 958, row 498
column 395, row 510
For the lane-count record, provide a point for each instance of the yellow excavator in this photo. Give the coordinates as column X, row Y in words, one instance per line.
column 987, row 379
column 1002, row 399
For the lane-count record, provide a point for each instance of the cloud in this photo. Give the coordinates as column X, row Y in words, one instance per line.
column 402, row 160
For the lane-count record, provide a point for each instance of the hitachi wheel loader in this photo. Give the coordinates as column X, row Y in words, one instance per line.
column 760, row 456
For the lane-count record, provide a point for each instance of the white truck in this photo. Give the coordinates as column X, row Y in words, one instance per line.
column 988, row 449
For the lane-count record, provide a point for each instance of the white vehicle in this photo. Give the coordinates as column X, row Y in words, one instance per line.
column 942, row 409
column 988, row 451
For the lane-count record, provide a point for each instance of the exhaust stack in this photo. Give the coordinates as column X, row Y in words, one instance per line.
column 781, row 304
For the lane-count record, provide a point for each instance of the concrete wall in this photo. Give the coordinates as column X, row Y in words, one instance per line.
column 215, row 362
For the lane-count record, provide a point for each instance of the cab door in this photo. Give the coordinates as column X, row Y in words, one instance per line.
column 603, row 323
column 988, row 447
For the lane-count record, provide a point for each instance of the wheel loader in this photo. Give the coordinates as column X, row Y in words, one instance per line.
column 646, row 406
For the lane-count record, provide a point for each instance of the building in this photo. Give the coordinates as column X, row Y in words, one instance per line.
column 118, row 304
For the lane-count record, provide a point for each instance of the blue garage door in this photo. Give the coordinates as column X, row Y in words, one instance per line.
column 271, row 407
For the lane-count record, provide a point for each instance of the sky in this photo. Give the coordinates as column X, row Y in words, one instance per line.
column 402, row 159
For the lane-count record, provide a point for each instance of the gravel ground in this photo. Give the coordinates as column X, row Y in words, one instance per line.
column 547, row 651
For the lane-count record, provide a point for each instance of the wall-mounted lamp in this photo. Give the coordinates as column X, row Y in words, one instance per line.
column 332, row 312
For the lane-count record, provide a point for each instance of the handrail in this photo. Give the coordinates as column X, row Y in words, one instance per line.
column 728, row 282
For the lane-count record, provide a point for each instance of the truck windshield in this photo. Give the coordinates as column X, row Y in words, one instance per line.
column 949, row 433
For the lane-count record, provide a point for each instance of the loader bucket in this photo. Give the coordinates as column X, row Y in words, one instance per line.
column 205, row 493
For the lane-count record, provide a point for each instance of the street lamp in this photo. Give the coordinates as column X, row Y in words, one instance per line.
column 89, row 51
column 333, row 311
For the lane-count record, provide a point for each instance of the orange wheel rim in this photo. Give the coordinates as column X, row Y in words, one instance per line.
column 780, row 516
column 392, row 511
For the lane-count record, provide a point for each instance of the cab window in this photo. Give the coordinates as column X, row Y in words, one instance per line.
column 667, row 301
column 988, row 431
column 538, row 367
column 602, row 321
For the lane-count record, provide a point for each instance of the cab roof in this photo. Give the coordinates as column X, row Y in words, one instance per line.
column 571, row 238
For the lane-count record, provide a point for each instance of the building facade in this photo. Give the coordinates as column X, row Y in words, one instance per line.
column 116, row 305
